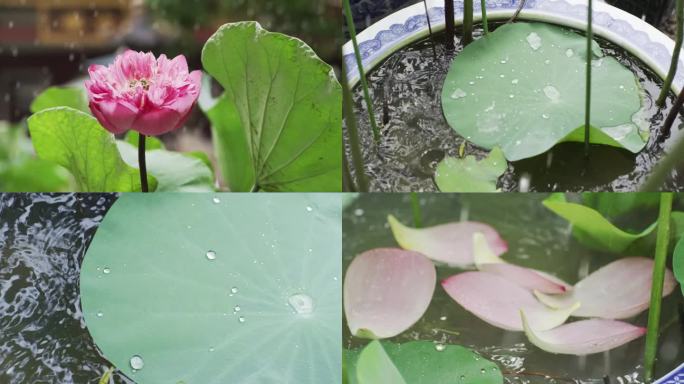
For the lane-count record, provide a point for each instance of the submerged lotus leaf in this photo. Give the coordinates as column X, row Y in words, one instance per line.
column 211, row 288
column 470, row 175
column 522, row 88
column 420, row 362
column 591, row 228
column 278, row 127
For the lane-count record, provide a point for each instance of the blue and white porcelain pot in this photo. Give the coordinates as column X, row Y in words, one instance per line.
column 408, row 25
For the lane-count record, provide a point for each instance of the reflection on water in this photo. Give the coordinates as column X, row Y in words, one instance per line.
column 406, row 91
column 536, row 238
column 43, row 337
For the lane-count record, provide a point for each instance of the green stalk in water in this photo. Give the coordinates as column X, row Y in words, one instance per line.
column 350, row 121
column 467, row 22
column 362, row 73
column 485, row 23
column 450, row 24
column 662, row 244
column 587, row 98
column 665, row 90
column 432, row 38
column 417, row 215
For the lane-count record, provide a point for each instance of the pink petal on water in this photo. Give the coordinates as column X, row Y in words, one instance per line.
column 498, row 301
column 583, row 337
column 386, row 291
column 487, row 261
column 450, row 243
column 618, row 290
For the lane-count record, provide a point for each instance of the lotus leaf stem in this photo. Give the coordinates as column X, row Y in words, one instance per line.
column 665, row 90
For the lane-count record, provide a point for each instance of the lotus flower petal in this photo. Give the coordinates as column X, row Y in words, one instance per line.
column 487, row 261
column 447, row 243
column 583, row 337
column 618, row 290
column 498, row 301
column 386, row 291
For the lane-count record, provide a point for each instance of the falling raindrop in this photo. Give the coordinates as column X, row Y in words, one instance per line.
column 10, row 24
column 358, row 212
column 137, row 362
column 211, row 255
column 524, row 183
column 72, row 57
column 443, row 318
column 301, row 303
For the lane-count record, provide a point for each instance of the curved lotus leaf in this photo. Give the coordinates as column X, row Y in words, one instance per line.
column 423, row 362
column 618, row 290
column 61, row 97
column 386, row 291
column 583, row 337
column 285, row 112
column 499, row 301
column 678, row 263
column 470, row 175
column 488, row 261
column 201, row 288
column 591, row 228
column 522, row 88
column 375, row 366
column 450, row 243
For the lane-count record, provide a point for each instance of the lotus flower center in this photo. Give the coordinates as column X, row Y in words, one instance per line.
column 132, row 84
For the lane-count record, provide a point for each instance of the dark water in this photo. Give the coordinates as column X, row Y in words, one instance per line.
column 43, row 337
column 538, row 239
column 406, row 90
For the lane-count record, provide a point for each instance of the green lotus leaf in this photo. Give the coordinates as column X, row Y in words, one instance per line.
column 60, row 97
column 151, row 142
column 522, row 88
column 470, row 175
column 77, row 142
column 591, row 228
column 220, row 288
column 174, row 171
column 284, row 115
column 678, row 263
column 420, row 362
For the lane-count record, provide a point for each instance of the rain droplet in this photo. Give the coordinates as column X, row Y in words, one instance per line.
column 211, row 349
column 301, row 303
column 545, row 116
column 309, row 209
column 458, row 93
column 483, row 371
column 137, row 362
column 106, row 271
column 100, row 314
column 524, row 183
column 552, row 93
column 471, row 83
column 443, row 318
column 534, row 41
column 211, row 255
column 514, row 81
column 234, row 290
column 439, row 347
column 569, row 52
column 236, row 309
column 10, row 24
column 511, row 96
column 216, row 200
column 502, row 75
column 241, row 319
column 462, row 377
column 358, row 212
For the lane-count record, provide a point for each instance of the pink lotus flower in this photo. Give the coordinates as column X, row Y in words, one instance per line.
column 138, row 92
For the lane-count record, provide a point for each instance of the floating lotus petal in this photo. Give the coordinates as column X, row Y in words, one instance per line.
column 583, row 337
column 487, row 261
column 498, row 301
column 618, row 290
column 450, row 243
column 386, row 291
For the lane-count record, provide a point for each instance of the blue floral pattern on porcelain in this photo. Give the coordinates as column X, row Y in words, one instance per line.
column 374, row 47
column 674, row 377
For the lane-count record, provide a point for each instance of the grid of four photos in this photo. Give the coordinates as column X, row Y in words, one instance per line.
column 341, row 191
